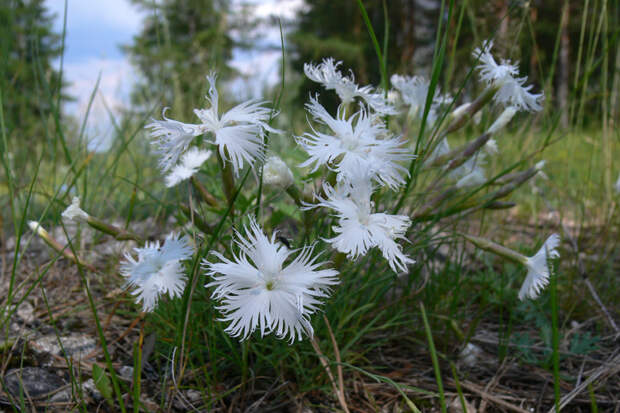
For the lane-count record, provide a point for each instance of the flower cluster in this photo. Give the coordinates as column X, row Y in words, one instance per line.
column 266, row 285
column 361, row 150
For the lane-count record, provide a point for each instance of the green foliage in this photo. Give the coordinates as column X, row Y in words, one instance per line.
column 30, row 86
column 181, row 41
column 102, row 383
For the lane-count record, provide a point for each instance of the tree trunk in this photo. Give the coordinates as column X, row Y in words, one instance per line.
column 564, row 66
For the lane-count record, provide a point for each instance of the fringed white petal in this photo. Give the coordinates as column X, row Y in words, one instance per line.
column 538, row 268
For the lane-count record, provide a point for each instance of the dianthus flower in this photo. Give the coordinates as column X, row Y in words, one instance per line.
column 238, row 133
column 512, row 91
column 327, row 74
column 359, row 229
column 263, row 288
column 158, row 270
column 362, row 140
column 538, row 268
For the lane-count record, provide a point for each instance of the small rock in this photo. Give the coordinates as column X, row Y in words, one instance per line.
column 470, row 354
column 457, row 407
column 16, row 332
column 193, row 395
column 126, row 372
column 76, row 346
column 91, row 389
column 39, row 384
column 25, row 311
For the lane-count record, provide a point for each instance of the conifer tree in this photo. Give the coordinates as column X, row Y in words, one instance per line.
column 181, row 42
column 28, row 82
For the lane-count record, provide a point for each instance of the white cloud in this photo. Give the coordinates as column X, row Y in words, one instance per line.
column 117, row 14
column 259, row 70
column 116, row 81
column 285, row 9
column 95, row 28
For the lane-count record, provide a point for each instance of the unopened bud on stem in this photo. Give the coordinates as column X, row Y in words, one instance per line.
column 503, row 119
column 277, row 173
column 497, row 249
column 55, row 245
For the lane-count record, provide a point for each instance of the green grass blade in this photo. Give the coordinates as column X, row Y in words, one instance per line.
column 431, row 347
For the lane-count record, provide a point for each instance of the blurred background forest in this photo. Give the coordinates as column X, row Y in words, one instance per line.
column 567, row 48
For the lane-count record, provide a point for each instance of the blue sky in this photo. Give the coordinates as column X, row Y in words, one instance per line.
column 96, row 29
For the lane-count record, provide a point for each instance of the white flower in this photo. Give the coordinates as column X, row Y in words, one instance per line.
column 158, row 270
column 172, row 139
column 414, row 90
column 360, row 141
column 359, row 229
column 191, row 161
column 511, row 90
column 74, row 213
column 329, row 76
column 239, row 132
column 277, row 173
column 618, row 184
column 257, row 289
column 538, row 269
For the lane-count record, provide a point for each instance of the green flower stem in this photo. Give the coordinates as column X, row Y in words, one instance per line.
column 295, row 194
column 429, row 207
column 118, row 233
column 206, row 195
column 518, row 180
column 474, row 107
column 196, row 219
column 496, row 249
column 228, row 180
column 458, row 156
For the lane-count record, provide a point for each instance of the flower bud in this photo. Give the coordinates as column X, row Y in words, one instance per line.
column 74, row 212
column 277, row 173
column 38, row 229
column 458, row 112
column 503, row 119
